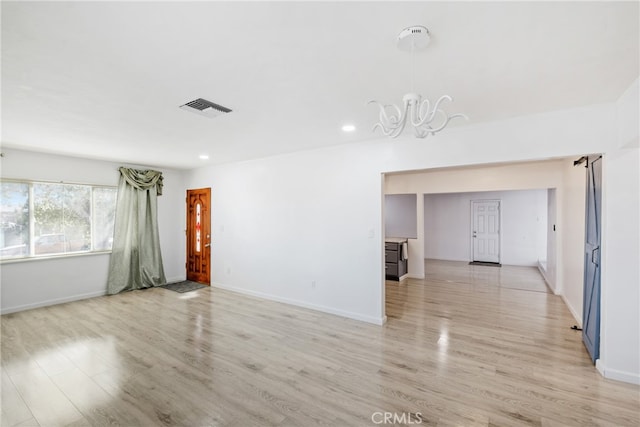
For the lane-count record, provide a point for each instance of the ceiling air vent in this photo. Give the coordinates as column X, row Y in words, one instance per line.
column 205, row 108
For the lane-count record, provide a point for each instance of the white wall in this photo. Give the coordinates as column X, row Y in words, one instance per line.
column 620, row 321
column 400, row 215
column 447, row 227
column 570, row 228
column 478, row 178
column 39, row 282
column 303, row 228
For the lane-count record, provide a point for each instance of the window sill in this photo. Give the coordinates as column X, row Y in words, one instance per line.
column 52, row 256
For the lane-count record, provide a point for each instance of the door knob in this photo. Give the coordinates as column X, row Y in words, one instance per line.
column 206, row 245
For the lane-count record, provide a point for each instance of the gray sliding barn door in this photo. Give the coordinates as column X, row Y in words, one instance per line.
column 591, row 295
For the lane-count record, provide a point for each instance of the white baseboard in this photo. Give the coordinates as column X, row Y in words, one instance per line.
column 543, row 272
column 447, row 259
column 71, row 298
column 324, row 309
column 55, row 301
column 573, row 312
column 614, row 374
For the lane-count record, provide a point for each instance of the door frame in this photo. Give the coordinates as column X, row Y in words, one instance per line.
column 471, row 223
column 206, row 241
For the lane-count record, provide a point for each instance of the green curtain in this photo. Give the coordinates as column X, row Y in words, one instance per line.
column 136, row 261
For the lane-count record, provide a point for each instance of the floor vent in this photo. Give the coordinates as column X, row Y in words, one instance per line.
column 205, row 108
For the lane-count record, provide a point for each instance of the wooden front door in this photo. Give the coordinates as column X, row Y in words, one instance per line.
column 199, row 235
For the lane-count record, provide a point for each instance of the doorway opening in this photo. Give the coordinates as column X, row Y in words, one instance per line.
column 559, row 220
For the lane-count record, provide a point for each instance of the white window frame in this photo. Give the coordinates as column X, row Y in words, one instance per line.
column 31, row 256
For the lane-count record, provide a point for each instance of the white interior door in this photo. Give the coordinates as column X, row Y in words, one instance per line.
column 485, row 224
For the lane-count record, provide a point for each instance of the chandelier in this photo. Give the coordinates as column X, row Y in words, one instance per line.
column 425, row 118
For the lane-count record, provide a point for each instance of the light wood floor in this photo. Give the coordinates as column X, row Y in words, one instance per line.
column 470, row 345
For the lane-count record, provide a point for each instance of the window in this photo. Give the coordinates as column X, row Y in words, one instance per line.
column 40, row 218
column 14, row 219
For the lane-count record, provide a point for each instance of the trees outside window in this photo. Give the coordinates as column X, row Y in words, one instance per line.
column 49, row 218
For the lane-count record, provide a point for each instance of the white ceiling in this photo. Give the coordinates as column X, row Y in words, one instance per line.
column 105, row 80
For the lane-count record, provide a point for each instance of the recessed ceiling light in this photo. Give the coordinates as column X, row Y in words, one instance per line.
column 348, row 128
column 204, row 156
